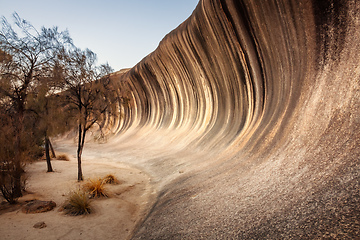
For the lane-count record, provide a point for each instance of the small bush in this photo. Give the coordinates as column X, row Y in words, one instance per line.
column 63, row 157
column 110, row 179
column 78, row 203
column 8, row 183
column 95, row 188
column 100, row 138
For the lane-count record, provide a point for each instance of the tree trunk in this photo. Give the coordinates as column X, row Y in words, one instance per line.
column 18, row 170
column 53, row 155
column 80, row 176
column 17, row 179
column 47, row 154
column 79, row 152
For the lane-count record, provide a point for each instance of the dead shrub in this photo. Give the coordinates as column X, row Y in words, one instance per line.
column 110, row 179
column 63, row 157
column 95, row 188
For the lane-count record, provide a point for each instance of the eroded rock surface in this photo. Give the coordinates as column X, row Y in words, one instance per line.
column 256, row 103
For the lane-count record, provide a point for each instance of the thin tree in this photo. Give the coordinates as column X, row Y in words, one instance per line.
column 28, row 58
column 89, row 95
column 48, row 115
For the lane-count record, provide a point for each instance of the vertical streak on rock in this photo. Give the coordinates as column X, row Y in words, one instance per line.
column 258, row 102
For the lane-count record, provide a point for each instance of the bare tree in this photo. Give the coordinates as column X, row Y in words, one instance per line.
column 89, row 94
column 27, row 58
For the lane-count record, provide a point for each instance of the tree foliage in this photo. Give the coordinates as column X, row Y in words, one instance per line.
column 27, row 62
column 46, row 86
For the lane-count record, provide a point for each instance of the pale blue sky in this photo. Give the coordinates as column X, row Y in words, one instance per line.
column 120, row 32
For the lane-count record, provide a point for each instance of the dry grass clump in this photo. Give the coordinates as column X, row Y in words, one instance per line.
column 95, row 188
column 78, row 203
column 63, row 157
column 110, row 179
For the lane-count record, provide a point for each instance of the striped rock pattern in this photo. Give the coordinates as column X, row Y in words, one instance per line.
column 247, row 116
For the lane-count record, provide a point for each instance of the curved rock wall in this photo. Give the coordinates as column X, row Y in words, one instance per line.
column 248, row 114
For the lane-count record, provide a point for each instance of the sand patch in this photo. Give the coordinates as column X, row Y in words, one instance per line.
column 113, row 218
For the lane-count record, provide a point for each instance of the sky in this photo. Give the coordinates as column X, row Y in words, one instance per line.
column 120, row 32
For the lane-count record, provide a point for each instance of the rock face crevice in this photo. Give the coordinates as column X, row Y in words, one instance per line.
column 249, row 115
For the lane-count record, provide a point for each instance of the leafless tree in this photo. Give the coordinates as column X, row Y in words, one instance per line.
column 89, row 93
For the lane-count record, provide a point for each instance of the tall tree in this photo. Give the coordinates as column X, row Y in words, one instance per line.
column 89, row 93
column 27, row 58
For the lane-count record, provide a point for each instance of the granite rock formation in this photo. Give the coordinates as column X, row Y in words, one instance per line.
column 249, row 117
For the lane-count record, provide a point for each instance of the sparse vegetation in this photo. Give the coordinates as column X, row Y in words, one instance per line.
column 63, row 157
column 89, row 95
column 95, row 188
column 78, row 203
column 11, row 170
column 48, row 87
column 7, row 182
column 27, row 77
column 110, row 179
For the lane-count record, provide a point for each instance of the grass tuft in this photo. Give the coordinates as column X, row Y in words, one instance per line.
column 78, row 203
column 63, row 157
column 110, row 179
column 95, row 188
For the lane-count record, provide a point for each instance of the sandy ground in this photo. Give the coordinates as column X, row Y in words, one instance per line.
column 113, row 218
